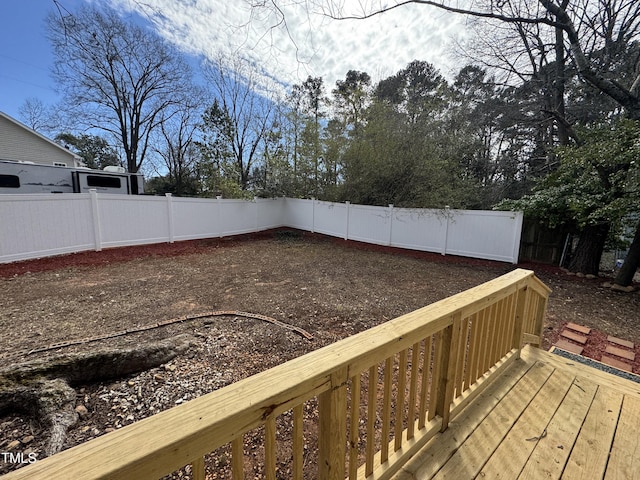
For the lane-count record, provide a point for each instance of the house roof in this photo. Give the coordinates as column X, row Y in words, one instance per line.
column 33, row 132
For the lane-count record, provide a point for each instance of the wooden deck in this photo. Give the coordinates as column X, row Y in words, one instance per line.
column 544, row 417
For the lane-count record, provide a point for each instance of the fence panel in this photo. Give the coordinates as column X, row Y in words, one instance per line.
column 133, row 220
column 42, row 225
column 484, row 234
column 330, row 218
column 270, row 213
column 370, row 224
column 298, row 213
column 419, row 229
column 194, row 218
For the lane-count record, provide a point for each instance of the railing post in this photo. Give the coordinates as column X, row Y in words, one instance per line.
column 539, row 320
column 449, row 343
column 332, row 412
column 522, row 306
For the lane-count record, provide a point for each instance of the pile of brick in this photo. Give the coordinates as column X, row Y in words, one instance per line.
column 618, row 353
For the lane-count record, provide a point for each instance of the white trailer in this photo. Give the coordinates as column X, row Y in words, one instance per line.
column 24, row 177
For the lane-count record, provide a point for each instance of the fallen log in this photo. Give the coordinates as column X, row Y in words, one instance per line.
column 43, row 388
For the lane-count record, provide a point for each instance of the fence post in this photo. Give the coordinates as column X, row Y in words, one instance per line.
column 255, row 202
column 170, row 215
column 446, row 229
column 313, row 215
column 332, row 416
column 218, row 197
column 97, row 231
column 517, row 234
column 346, row 233
column 390, row 223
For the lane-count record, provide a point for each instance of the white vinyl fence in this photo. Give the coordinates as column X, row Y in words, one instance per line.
column 34, row 226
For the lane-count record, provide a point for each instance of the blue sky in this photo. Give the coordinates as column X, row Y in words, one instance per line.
column 311, row 45
column 25, row 54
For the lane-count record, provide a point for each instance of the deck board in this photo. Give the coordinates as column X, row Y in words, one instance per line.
column 624, row 462
column 476, row 450
column 544, row 417
column 591, row 450
column 530, row 429
column 552, row 452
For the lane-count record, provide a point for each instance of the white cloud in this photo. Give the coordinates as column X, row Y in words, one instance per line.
column 309, row 43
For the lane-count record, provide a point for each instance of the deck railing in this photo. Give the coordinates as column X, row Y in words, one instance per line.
column 358, row 408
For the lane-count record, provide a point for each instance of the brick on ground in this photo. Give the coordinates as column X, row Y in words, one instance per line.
column 569, row 347
column 578, row 328
column 576, row 337
column 614, row 362
column 621, row 342
column 619, row 352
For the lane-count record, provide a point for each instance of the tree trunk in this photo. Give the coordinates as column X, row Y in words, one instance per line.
column 586, row 258
column 630, row 265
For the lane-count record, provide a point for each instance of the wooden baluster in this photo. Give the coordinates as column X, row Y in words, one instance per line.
column 354, row 433
column 435, row 375
column 298, row 441
column 491, row 343
column 400, row 397
column 197, row 469
column 270, row 448
column 424, row 382
column 413, row 389
column 461, row 357
column 469, row 372
column 483, row 343
column 386, row 410
column 371, row 419
column 501, row 313
column 237, row 458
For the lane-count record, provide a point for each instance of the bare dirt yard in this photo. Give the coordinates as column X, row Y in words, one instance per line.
column 326, row 287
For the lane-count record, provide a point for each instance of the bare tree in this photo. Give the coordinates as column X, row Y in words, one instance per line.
column 177, row 148
column 240, row 116
column 116, row 76
column 36, row 115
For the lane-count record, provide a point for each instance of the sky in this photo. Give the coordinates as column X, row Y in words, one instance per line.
column 309, row 44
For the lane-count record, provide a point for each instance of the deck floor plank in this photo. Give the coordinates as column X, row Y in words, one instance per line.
column 530, row 428
column 590, row 453
column 590, row 432
column 474, row 452
column 444, row 445
column 624, row 463
column 551, row 453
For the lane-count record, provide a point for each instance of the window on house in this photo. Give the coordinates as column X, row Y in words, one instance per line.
column 9, row 181
column 103, row 181
column 59, row 164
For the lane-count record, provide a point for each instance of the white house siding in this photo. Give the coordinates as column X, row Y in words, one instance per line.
column 21, row 144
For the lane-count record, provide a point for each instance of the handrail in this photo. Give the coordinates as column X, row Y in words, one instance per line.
column 414, row 372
